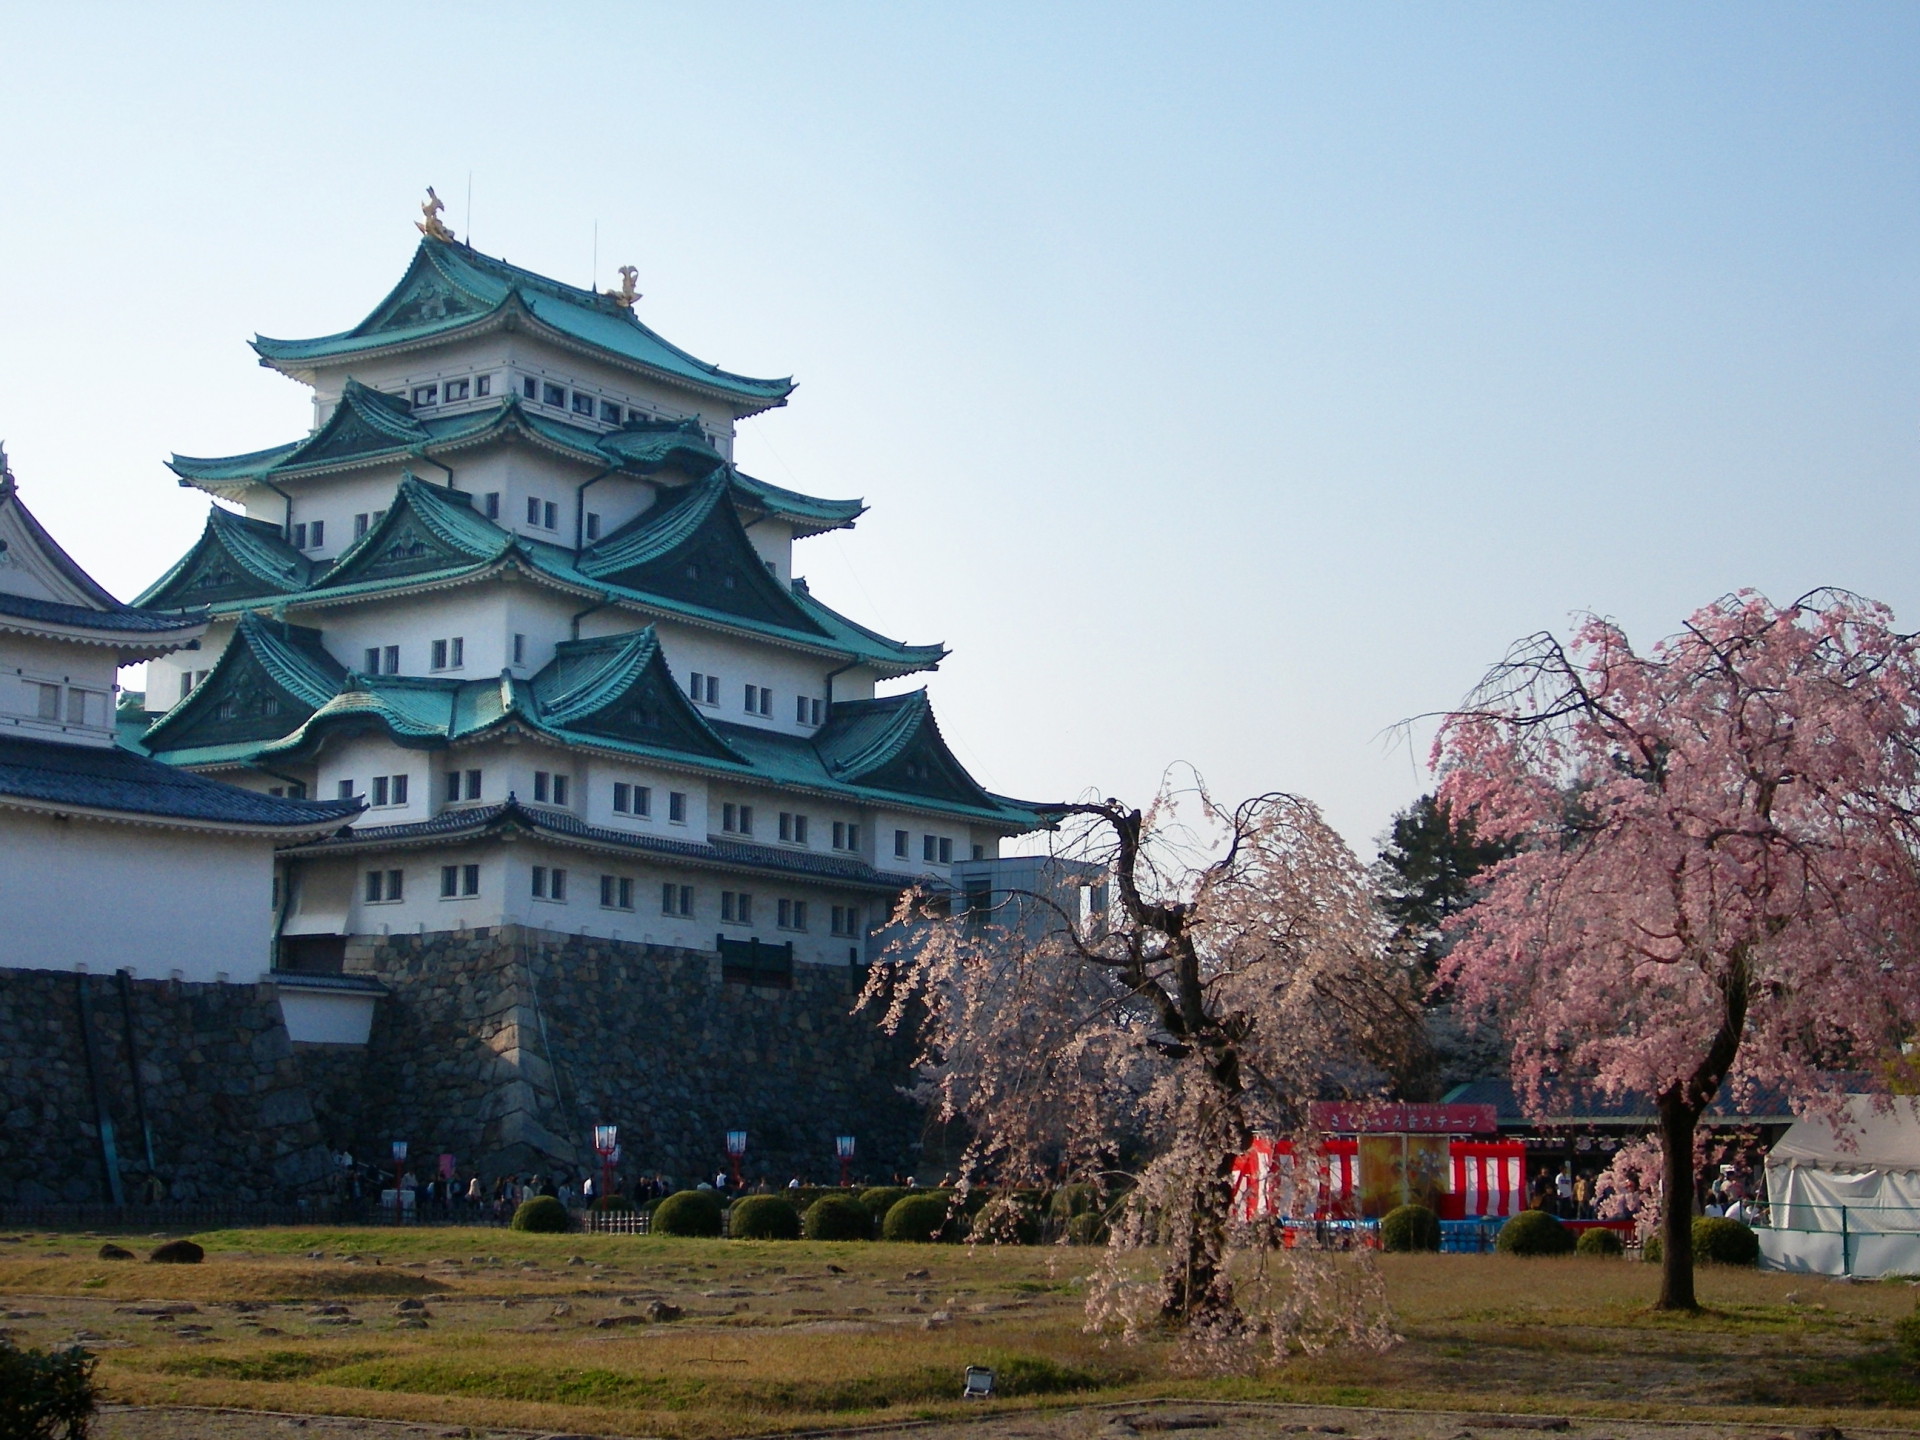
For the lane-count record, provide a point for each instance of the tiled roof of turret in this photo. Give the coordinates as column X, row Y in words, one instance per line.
column 268, row 660
column 126, row 619
column 99, row 777
column 234, row 558
column 450, row 287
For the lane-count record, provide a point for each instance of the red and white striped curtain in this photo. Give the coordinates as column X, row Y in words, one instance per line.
column 1489, row 1177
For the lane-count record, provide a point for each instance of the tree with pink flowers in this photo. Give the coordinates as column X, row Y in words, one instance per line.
column 1714, row 879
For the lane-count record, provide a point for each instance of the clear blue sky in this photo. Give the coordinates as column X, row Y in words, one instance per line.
column 1227, row 383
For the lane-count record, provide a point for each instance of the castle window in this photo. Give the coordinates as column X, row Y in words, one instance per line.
column 806, row 710
column 946, row 851
column 554, row 395
column 616, row 892
column 759, row 700
column 793, row 828
column 705, row 689
column 934, row 849
column 736, row 819
column 426, row 394
column 379, row 790
column 389, row 790
column 225, row 710
column 483, row 386
column 459, row 880
column 540, row 785
column 533, row 511
column 593, row 527
column 450, row 654
column 456, row 390
column 346, row 790
column 549, row 788
column 736, row 908
column 359, row 524
column 519, row 649
column 490, row 505
column 793, row 914
column 677, row 807
column 553, row 516
column 300, row 536
column 609, row 412
column 899, row 844
column 676, row 900
column 384, row 887
column 549, row 884
column 583, row 404
column 186, row 687
column 846, row 920
column 530, row 388
column 632, row 799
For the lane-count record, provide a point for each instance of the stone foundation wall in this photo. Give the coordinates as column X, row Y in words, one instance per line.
column 227, row 1109
column 503, row 1047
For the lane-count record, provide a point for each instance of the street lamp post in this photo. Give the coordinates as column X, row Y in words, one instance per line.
column 605, row 1144
column 399, row 1163
column 843, row 1147
column 736, row 1147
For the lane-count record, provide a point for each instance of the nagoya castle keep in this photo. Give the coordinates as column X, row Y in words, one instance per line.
column 633, row 810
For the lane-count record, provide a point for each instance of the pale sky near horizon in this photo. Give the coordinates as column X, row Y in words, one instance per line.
column 1227, row 383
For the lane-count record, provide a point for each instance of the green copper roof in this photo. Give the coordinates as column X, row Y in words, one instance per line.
column 449, row 288
column 614, row 694
column 432, row 535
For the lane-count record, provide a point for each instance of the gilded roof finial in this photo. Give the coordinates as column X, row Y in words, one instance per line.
column 431, row 226
column 6, row 473
column 627, row 293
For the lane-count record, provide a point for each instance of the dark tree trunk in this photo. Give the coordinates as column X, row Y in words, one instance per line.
column 1677, row 1121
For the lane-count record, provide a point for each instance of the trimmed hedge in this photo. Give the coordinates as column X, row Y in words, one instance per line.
column 763, row 1217
column 1534, row 1232
column 1409, row 1228
column 916, row 1218
column 612, row 1203
column 1719, row 1241
column 542, row 1214
column 880, row 1199
column 688, row 1213
column 838, row 1217
column 1599, row 1242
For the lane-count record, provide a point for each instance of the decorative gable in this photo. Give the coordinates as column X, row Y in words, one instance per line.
column 268, row 681
column 895, row 744
column 427, row 529
column 425, row 297
column 692, row 548
column 235, row 559
column 620, row 688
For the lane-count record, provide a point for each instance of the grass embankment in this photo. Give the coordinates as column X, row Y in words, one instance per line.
column 549, row 1332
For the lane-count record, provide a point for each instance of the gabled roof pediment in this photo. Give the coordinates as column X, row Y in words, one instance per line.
column 234, row 559
column 692, row 547
column 619, row 687
column 427, row 528
column 366, row 421
column 895, row 744
column 270, row 678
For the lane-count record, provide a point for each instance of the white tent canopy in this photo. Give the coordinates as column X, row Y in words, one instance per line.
column 1845, row 1199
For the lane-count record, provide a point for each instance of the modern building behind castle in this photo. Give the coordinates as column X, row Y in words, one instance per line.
column 512, row 594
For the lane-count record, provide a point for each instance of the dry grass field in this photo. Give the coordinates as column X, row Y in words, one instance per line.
column 553, row 1333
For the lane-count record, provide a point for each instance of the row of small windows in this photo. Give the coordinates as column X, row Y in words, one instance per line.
column 451, row 392
column 448, row 654
column 545, row 882
column 934, row 849
column 68, row 704
column 755, row 699
column 540, row 392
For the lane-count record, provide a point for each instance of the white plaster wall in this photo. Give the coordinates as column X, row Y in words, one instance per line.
column 359, row 758
column 598, row 775
column 82, row 892
column 161, row 680
column 737, row 662
column 316, row 1018
column 773, row 541
column 476, row 614
column 885, row 822
column 28, row 662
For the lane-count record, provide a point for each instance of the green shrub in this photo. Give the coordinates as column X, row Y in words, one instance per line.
column 44, row 1395
column 690, row 1212
column 1410, row 1227
column 1718, row 1241
column 1006, row 1220
column 880, row 1199
column 1533, row 1232
column 763, row 1217
column 916, row 1218
column 542, row 1214
column 1071, row 1200
column 1599, row 1242
column 1650, row 1250
column 838, row 1217
column 1087, row 1229
column 613, row 1202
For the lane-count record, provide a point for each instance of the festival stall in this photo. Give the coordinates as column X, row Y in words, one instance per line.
column 1846, row 1200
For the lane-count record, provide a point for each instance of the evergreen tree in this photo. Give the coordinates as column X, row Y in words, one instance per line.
column 1426, row 873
